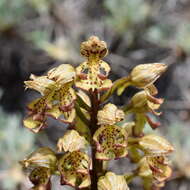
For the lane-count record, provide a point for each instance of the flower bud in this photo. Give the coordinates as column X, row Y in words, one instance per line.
column 111, row 181
column 146, row 74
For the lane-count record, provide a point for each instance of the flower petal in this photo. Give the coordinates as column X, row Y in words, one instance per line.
column 62, row 74
column 41, row 84
column 42, row 157
column 93, row 75
column 155, row 145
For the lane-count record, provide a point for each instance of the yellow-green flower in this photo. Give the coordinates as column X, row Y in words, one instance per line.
column 143, row 76
column 112, row 181
column 111, row 142
column 141, row 104
column 57, row 99
column 92, row 74
column 74, row 169
column 156, row 167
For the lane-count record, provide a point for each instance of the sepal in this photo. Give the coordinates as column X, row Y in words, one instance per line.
column 155, row 145
column 42, row 157
column 62, row 74
column 144, row 75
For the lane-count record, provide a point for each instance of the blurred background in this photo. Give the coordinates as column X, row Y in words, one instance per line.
column 36, row 35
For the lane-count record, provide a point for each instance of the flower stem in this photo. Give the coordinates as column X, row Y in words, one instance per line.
column 96, row 164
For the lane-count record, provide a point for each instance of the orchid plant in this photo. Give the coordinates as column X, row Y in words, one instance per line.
column 98, row 131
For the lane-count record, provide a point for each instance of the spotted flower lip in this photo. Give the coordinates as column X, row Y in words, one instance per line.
column 40, row 177
column 156, row 167
column 93, row 75
column 110, row 115
column 74, row 169
column 112, row 181
column 71, row 141
column 42, row 157
column 111, row 142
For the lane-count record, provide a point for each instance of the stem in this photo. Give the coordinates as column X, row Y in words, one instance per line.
column 97, row 164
